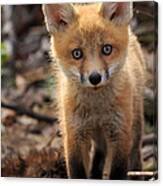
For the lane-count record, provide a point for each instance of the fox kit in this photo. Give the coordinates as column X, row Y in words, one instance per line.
column 99, row 70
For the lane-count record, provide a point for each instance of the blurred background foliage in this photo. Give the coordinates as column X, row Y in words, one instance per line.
column 27, row 84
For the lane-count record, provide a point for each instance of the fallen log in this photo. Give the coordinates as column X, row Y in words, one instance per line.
column 22, row 111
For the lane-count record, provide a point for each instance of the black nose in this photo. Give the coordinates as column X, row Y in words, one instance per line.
column 95, row 78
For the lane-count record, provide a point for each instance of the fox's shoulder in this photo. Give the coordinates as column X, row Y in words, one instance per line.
column 135, row 64
column 135, row 51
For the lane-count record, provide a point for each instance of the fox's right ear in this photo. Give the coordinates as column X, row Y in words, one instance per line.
column 58, row 16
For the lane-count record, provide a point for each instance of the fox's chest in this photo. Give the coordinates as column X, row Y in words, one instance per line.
column 92, row 108
column 97, row 114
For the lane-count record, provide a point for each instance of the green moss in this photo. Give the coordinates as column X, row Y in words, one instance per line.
column 4, row 54
column 148, row 128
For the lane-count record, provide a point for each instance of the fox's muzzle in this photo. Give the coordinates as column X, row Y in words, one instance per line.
column 96, row 78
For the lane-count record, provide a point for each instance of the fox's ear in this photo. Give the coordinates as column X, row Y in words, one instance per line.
column 119, row 13
column 58, row 16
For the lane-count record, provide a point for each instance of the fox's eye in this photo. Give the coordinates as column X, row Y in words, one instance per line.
column 77, row 53
column 106, row 49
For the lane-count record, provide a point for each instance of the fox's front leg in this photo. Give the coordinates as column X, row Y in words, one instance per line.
column 120, row 158
column 73, row 156
column 97, row 164
column 108, row 161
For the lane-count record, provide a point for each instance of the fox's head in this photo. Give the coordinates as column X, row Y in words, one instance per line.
column 89, row 42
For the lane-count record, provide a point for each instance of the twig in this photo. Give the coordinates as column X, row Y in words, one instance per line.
column 148, row 154
column 22, row 111
column 150, row 139
column 143, row 13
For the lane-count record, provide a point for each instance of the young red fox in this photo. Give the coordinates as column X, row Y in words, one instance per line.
column 99, row 69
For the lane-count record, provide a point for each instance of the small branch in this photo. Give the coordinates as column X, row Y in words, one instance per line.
column 148, row 154
column 138, row 11
column 150, row 139
column 22, row 111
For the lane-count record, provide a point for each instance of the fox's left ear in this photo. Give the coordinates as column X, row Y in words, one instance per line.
column 119, row 13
